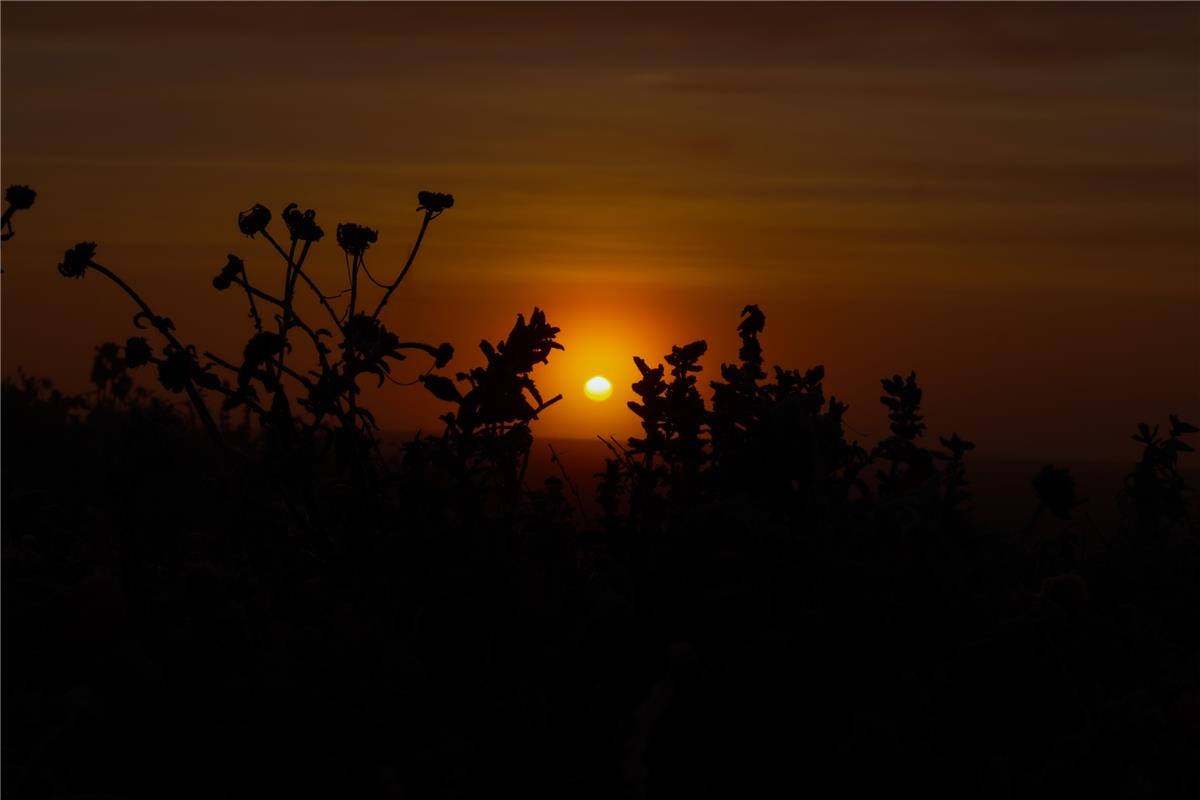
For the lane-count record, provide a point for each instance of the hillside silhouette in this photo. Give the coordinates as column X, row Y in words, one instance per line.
column 235, row 584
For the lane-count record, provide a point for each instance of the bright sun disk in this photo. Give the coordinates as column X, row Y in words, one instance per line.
column 598, row 388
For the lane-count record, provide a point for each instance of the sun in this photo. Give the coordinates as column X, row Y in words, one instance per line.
column 598, row 388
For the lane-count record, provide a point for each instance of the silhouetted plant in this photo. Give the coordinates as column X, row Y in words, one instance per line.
column 910, row 465
column 178, row 369
column 109, row 373
column 328, row 392
column 674, row 421
column 781, row 439
column 957, row 492
column 749, row 616
column 1155, row 494
column 40, row 394
column 609, row 489
column 488, row 433
column 16, row 198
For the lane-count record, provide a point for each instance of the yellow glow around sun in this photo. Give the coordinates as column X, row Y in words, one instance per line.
column 598, row 388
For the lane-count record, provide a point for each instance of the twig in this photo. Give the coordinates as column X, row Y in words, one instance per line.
column 407, row 265
column 320, row 295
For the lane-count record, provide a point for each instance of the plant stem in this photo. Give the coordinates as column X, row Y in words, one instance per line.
column 288, row 299
column 312, row 285
column 407, row 265
column 354, row 266
column 193, row 394
column 296, row 321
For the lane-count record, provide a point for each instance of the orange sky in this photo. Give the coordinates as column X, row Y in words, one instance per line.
column 1005, row 198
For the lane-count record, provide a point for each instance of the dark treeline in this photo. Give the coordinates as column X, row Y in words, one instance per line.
column 248, row 597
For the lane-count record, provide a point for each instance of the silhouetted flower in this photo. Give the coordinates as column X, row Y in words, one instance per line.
column 175, row 370
column 233, row 267
column 254, row 220
column 263, row 346
column 434, row 202
column 20, row 197
column 302, row 226
column 137, row 352
column 445, row 352
column 355, row 239
column 323, row 393
column 368, row 342
column 75, row 261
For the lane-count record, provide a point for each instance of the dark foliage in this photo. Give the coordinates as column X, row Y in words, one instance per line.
column 16, row 198
column 763, row 607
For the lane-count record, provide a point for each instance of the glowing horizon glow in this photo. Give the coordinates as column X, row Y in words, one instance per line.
column 598, row 388
column 849, row 168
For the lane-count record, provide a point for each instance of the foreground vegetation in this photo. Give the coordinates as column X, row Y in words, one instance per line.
column 199, row 607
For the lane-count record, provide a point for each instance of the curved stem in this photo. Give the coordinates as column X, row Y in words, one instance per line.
column 431, row 350
column 407, row 265
column 253, row 307
column 192, row 392
column 289, row 291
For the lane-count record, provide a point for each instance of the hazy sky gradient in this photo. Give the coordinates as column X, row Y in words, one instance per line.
column 1005, row 198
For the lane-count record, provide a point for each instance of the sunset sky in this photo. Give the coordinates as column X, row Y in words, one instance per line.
column 1005, row 198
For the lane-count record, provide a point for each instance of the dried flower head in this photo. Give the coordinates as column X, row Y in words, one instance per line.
column 20, row 197
column 302, row 225
column 233, row 268
column 443, row 354
column 137, row 352
column 355, row 239
column 76, row 260
column 254, row 220
column 368, row 341
column 263, row 346
column 175, row 370
column 434, row 202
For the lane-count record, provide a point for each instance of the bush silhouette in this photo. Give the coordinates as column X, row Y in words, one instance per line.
column 762, row 605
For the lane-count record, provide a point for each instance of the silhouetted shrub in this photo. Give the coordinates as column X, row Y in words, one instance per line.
column 763, row 607
column 1155, row 495
column 328, row 393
